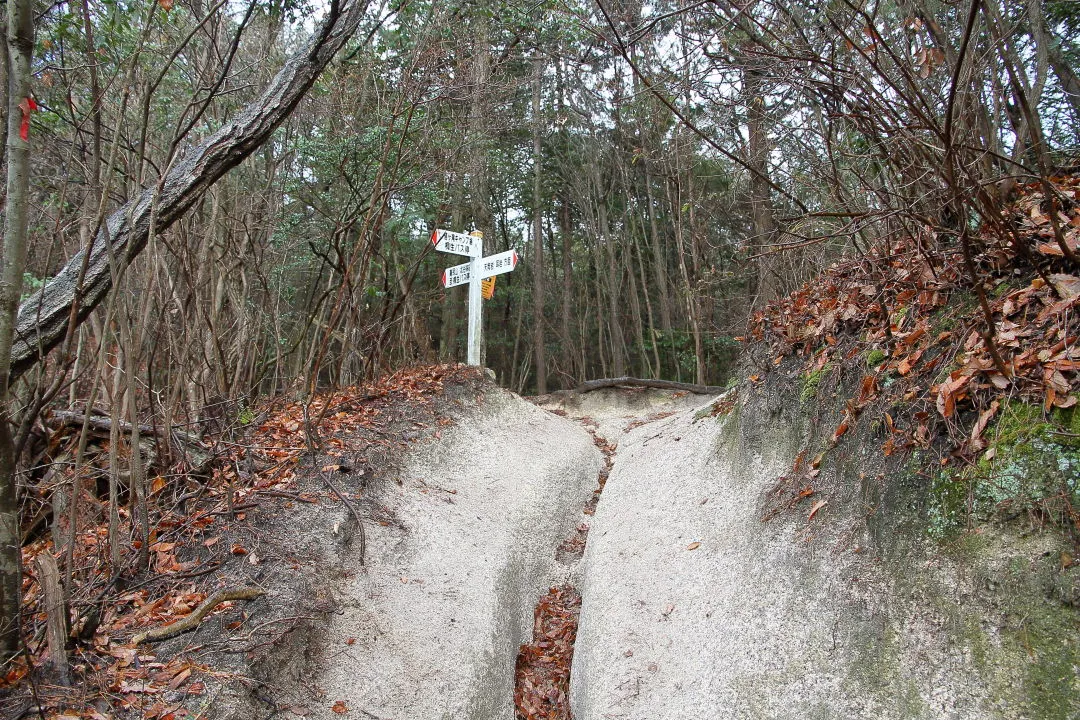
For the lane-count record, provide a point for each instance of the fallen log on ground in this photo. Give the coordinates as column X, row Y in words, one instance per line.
column 102, row 423
column 197, row 454
column 602, row 383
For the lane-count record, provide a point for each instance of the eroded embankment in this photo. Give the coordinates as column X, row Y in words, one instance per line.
column 700, row 601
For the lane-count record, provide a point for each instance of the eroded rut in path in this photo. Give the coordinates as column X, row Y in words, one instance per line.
column 542, row 670
column 464, row 539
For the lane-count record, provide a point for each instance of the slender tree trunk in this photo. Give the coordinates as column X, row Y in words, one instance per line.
column 569, row 375
column 569, row 370
column 659, row 261
column 655, row 368
column 538, row 238
column 635, row 313
column 613, row 277
column 765, row 230
column 1066, row 75
column 451, row 310
column 20, row 42
column 694, row 290
column 140, row 516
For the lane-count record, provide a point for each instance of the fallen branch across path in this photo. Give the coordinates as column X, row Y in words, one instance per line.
column 602, row 383
column 355, row 513
column 192, row 621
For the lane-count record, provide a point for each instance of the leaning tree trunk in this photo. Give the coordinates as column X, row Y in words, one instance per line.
column 82, row 284
column 42, row 321
column 20, row 39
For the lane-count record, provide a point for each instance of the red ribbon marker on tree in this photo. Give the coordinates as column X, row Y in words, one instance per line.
column 27, row 106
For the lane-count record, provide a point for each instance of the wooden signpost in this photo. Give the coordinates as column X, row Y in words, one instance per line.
column 473, row 272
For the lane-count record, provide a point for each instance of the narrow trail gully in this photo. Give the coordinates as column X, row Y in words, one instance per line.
column 542, row 670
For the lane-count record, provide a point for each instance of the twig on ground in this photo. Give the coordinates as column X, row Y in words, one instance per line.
column 190, row 622
column 352, row 509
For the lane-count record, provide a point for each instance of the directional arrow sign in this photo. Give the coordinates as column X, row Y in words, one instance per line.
column 457, row 275
column 493, row 265
column 457, row 243
column 490, row 266
column 473, row 272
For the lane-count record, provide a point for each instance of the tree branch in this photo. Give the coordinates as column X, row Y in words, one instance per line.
column 44, row 317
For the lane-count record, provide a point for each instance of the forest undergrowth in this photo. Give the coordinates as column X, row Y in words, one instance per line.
column 948, row 367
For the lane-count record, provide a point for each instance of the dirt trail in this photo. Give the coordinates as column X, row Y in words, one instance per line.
column 477, row 528
column 477, row 524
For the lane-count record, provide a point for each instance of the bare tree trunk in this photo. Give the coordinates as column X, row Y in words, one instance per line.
column 659, row 262
column 614, row 283
column 451, row 310
column 538, row 238
column 655, row 368
column 1070, row 83
column 56, row 615
column 569, row 369
column 695, row 290
column 569, row 373
column 765, row 229
column 20, row 42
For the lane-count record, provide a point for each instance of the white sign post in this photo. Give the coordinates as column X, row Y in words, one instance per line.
column 472, row 272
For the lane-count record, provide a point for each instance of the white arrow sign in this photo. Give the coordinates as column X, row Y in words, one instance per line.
column 457, row 275
column 457, row 243
column 493, row 265
column 490, row 266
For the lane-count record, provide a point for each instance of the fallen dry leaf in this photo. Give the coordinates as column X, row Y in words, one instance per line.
column 693, row 546
column 1068, row 286
column 840, row 430
column 817, row 506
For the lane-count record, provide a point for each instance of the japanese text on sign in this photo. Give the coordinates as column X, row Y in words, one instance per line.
column 457, row 275
column 504, row 262
column 457, row 243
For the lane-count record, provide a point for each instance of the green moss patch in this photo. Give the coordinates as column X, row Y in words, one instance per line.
column 811, row 383
column 1032, row 464
column 1051, row 683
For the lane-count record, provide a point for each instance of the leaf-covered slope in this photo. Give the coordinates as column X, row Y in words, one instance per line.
column 945, row 359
